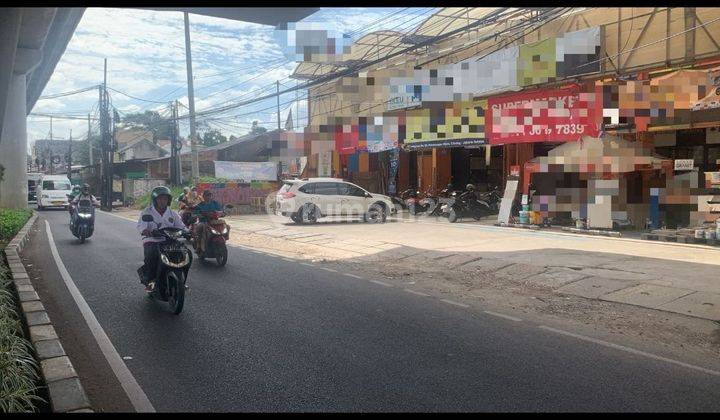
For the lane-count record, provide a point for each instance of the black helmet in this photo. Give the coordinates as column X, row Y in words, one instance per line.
column 76, row 188
column 158, row 191
column 470, row 187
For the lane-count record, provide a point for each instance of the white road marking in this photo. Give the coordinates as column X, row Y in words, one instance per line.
column 352, row 275
column 416, row 293
column 287, row 259
column 512, row 318
column 381, row 283
column 631, row 350
column 307, row 265
column 452, row 302
column 328, row 269
column 135, row 394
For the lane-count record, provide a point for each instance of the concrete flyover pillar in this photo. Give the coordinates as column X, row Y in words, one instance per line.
column 13, row 147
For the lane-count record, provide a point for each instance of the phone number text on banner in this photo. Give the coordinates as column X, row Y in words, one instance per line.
column 544, row 115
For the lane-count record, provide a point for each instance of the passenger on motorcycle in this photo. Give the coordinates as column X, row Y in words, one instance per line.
column 73, row 194
column 163, row 216
column 187, row 202
column 201, row 209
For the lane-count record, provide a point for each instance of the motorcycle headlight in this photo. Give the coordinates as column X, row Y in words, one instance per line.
column 165, row 260
column 225, row 230
column 84, row 215
column 214, row 232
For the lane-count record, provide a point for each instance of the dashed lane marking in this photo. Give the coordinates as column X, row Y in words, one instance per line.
column 328, row 269
column 512, row 318
column 452, row 302
column 135, row 394
column 352, row 275
column 631, row 350
column 416, row 293
column 381, row 283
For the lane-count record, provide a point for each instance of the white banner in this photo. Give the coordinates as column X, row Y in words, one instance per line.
column 325, row 164
column 246, row 171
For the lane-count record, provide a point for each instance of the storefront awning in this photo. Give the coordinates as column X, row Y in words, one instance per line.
column 604, row 155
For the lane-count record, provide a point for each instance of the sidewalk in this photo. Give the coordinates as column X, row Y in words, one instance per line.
column 678, row 278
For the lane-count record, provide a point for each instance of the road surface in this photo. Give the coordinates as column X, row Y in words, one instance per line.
column 270, row 334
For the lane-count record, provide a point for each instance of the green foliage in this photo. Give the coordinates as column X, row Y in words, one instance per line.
column 11, row 221
column 160, row 126
column 256, row 129
column 144, row 201
column 18, row 368
column 213, row 138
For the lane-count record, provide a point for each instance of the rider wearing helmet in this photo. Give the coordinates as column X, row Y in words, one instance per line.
column 163, row 216
column 73, row 194
column 83, row 194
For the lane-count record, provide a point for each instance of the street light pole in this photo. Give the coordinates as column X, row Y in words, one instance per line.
column 191, row 102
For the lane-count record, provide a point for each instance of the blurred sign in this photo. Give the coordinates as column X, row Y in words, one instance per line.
column 403, row 101
column 515, row 170
column 325, row 164
column 246, row 171
column 684, row 164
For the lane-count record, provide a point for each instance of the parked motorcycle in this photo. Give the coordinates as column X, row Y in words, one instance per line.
column 465, row 205
column 417, row 202
column 492, row 198
column 218, row 232
column 174, row 263
column 82, row 219
column 444, row 197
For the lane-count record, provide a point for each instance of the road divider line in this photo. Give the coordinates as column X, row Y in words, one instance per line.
column 631, row 350
column 511, row 318
column 135, row 394
column 328, row 269
column 416, row 293
column 352, row 275
column 381, row 283
column 452, row 302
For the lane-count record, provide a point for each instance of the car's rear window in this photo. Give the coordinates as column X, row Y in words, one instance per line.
column 285, row 188
column 307, row 189
column 56, row 185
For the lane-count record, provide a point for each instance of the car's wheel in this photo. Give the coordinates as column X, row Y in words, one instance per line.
column 309, row 213
column 376, row 213
column 39, row 207
column 452, row 216
column 296, row 217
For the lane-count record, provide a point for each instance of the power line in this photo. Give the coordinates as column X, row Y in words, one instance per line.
column 74, row 92
column 135, row 97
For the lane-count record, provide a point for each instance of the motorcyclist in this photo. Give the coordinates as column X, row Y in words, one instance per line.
column 163, row 216
column 84, row 194
column 201, row 210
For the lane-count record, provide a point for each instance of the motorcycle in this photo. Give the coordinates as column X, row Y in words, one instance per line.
column 218, row 232
column 463, row 205
column 444, row 197
column 174, row 263
column 492, row 198
column 187, row 217
column 414, row 203
column 82, row 219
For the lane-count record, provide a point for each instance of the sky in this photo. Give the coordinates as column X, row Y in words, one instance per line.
column 232, row 61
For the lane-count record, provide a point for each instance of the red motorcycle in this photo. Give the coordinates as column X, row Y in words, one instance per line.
column 218, row 232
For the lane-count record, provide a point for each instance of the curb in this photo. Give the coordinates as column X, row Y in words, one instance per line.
column 65, row 391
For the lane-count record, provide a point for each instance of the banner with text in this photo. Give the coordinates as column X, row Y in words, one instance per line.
column 542, row 115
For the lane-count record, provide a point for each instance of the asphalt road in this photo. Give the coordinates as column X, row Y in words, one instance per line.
column 267, row 334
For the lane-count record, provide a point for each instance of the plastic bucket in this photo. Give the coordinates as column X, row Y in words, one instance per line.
column 524, row 217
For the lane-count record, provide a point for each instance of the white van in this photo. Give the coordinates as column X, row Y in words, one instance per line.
column 52, row 191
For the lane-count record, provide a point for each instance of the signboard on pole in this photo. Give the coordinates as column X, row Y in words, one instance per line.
column 325, row 164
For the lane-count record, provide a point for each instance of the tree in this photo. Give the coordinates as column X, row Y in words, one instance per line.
column 212, row 138
column 160, row 126
column 256, row 129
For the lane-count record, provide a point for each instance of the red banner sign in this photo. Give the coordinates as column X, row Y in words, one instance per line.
column 542, row 115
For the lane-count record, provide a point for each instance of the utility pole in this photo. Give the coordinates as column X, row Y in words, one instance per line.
column 277, row 86
column 106, row 146
column 173, row 145
column 191, row 103
column 49, row 148
column 178, row 155
column 90, row 157
column 69, row 159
